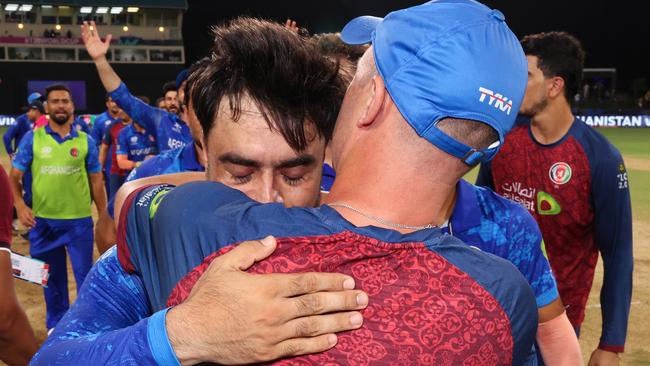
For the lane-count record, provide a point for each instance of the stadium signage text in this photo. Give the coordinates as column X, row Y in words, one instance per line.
column 7, row 120
column 642, row 120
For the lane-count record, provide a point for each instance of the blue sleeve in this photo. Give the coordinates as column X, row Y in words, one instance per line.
column 81, row 123
column 97, row 130
column 613, row 225
column 11, row 134
column 147, row 116
column 8, row 138
column 528, row 254
column 125, row 332
column 122, row 147
column 92, row 159
column 25, row 153
column 484, row 177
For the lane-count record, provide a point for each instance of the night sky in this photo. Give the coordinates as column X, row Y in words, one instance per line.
column 614, row 34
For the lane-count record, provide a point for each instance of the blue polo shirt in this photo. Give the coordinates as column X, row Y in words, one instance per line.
column 170, row 131
column 25, row 156
column 496, row 225
column 16, row 132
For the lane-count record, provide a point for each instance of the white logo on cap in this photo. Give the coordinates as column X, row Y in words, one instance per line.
column 502, row 103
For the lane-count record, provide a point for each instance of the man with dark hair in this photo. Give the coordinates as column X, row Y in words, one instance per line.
column 170, row 131
column 134, row 146
column 381, row 226
column 108, row 152
column 66, row 179
column 575, row 184
column 251, row 155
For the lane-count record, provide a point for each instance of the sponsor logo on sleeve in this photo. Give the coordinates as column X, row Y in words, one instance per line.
column 622, row 176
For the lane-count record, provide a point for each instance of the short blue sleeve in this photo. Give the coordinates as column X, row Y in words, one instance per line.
column 25, row 154
column 92, row 159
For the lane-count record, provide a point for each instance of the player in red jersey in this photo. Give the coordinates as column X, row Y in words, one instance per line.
column 574, row 182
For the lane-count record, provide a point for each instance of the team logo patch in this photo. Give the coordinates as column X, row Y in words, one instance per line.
column 74, row 152
column 560, row 173
column 134, row 139
column 46, row 150
column 547, row 205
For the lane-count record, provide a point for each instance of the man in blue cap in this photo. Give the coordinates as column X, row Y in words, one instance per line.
column 166, row 125
column 433, row 299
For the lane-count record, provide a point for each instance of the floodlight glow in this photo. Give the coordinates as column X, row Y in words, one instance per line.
column 11, row 7
column 101, row 10
column 86, row 9
column 132, row 9
column 116, row 10
column 46, row 6
column 125, row 28
column 161, row 29
column 26, row 7
column 21, row 26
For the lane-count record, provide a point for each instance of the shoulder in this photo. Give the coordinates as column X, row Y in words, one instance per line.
column 599, row 150
column 154, row 166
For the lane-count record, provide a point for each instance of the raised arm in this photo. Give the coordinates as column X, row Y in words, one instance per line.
column 147, row 116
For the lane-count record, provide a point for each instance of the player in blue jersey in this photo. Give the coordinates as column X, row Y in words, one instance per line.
column 101, row 125
column 575, row 184
column 369, row 115
column 166, row 125
column 134, row 146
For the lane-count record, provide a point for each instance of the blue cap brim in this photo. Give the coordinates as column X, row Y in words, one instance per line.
column 359, row 30
column 182, row 76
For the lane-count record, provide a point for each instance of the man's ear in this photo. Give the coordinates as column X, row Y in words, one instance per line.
column 375, row 102
column 557, row 87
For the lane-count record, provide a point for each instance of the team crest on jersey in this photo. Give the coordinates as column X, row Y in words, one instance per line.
column 560, row 173
column 46, row 150
column 74, row 152
column 134, row 139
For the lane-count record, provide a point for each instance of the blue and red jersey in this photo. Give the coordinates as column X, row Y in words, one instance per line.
column 170, row 131
column 429, row 267
column 577, row 190
column 134, row 144
column 111, row 137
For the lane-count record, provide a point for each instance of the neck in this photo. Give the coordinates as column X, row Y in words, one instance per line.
column 62, row 130
column 551, row 124
column 393, row 191
column 138, row 128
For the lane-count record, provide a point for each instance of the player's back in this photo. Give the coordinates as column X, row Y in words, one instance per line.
column 423, row 309
column 433, row 299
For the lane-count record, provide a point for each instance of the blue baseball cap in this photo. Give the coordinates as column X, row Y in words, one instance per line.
column 33, row 97
column 448, row 58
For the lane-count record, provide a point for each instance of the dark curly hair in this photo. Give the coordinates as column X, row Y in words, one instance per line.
column 559, row 54
column 290, row 82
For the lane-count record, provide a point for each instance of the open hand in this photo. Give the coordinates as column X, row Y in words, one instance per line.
column 233, row 317
column 94, row 45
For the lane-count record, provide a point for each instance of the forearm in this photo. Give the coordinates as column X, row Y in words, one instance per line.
column 119, row 334
column 615, row 298
column 16, row 183
column 17, row 342
column 99, row 191
column 107, row 75
column 124, row 163
column 103, row 152
column 558, row 342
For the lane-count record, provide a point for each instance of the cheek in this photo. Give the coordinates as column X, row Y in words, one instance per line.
column 303, row 195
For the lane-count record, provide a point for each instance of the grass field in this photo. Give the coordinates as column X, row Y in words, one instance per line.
column 634, row 144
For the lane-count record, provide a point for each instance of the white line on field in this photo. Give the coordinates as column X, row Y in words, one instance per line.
column 598, row 305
